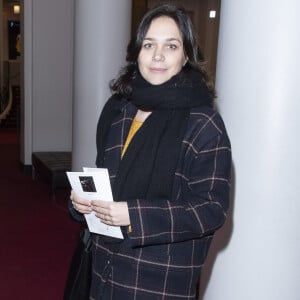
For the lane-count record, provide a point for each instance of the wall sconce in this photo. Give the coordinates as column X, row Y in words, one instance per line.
column 16, row 9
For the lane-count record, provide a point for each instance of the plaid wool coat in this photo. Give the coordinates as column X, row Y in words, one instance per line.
column 163, row 255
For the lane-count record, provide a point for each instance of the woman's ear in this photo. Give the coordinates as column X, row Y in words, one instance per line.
column 185, row 61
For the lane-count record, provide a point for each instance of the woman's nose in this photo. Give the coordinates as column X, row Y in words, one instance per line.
column 158, row 55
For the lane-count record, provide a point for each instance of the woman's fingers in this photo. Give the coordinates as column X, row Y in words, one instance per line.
column 80, row 204
column 111, row 213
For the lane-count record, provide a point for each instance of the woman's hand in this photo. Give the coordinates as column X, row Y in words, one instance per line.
column 111, row 213
column 80, row 204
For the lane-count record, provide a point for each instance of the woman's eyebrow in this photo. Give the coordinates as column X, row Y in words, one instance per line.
column 168, row 39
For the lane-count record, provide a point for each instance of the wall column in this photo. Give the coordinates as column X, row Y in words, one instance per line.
column 46, row 76
column 102, row 32
column 258, row 73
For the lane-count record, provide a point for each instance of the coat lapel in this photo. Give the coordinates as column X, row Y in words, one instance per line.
column 116, row 138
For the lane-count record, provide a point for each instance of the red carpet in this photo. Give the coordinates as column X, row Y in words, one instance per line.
column 37, row 235
column 9, row 136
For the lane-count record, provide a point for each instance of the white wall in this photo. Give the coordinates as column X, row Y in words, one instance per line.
column 26, row 84
column 102, row 32
column 48, row 63
column 258, row 74
column 52, row 58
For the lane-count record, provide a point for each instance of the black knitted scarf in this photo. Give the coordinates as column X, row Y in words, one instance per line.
column 148, row 167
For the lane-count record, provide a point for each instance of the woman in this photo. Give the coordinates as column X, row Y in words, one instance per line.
column 168, row 156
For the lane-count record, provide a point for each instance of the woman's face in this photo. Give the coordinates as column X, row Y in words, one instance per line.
column 162, row 54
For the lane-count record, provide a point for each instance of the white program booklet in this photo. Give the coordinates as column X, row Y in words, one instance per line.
column 93, row 184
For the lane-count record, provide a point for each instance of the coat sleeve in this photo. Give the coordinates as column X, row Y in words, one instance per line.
column 201, row 204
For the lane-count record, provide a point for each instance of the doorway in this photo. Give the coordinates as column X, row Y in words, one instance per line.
column 10, row 70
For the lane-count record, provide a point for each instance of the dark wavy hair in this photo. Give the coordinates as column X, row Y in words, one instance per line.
column 122, row 85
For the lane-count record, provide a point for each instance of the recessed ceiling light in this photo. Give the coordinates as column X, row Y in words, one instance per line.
column 212, row 14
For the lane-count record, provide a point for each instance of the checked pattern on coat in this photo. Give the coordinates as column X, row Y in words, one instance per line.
column 163, row 256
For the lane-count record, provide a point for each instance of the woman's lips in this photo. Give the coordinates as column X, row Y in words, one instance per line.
column 157, row 70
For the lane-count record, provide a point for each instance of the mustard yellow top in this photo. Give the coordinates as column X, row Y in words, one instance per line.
column 135, row 126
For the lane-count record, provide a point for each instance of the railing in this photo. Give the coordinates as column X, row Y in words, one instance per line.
column 11, row 75
column 6, row 101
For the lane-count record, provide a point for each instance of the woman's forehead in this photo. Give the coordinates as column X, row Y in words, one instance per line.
column 163, row 28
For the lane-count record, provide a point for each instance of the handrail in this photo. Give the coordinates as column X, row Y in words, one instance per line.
column 8, row 107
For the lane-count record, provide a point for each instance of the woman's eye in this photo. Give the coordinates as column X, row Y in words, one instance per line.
column 172, row 46
column 147, row 45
